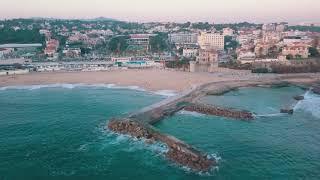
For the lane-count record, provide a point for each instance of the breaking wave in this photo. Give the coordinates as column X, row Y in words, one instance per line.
column 211, row 171
column 71, row 86
column 166, row 93
column 184, row 112
column 310, row 104
column 270, row 115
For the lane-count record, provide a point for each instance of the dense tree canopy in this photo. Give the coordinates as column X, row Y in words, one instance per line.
column 20, row 36
column 158, row 43
column 305, row 28
column 313, row 52
column 201, row 25
column 118, row 44
column 230, row 42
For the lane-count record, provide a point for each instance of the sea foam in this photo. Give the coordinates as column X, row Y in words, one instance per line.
column 311, row 104
column 166, row 93
column 184, row 112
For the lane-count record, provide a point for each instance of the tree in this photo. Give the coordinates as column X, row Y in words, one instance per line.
column 118, row 44
column 230, row 43
column 185, row 25
column 8, row 35
column 158, row 43
column 313, row 52
column 289, row 57
column 180, row 51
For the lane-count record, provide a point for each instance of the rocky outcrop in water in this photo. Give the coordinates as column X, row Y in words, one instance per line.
column 179, row 152
column 298, row 98
column 316, row 89
column 286, row 111
column 217, row 111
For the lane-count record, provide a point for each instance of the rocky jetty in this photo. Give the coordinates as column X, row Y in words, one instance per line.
column 139, row 124
column 218, row 111
column 179, row 152
column 132, row 128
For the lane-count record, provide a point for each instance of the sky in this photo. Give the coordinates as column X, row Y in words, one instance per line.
column 213, row 11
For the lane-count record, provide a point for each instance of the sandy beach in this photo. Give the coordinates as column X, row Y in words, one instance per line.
column 149, row 79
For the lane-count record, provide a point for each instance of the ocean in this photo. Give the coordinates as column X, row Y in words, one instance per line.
column 58, row 132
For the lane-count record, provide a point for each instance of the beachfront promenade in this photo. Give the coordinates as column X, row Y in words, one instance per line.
column 139, row 124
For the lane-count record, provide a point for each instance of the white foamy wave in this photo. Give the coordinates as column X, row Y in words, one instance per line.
column 83, row 147
column 135, row 143
column 211, row 171
column 168, row 93
column 71, row 86
column 35, row 87
column 270, row 115
column 311, row 104
column 184, row 112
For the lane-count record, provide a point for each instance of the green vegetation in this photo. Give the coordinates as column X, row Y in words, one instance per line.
column 236, row 26
column 20, row 36
column 230, row 42
column 158, row 43
column 305, row 28
column 201, row 25
column 260, row 70
column 118, row 44
column 313, row 52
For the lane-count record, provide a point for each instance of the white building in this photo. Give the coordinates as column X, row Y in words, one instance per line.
column 121, row 59
column 228, row 32
column 190, row 52
column 291, row 40
column 141, row 40
column 5, row 51
column 269, row 27
column 248, row 55
column 183, row 38
column 72, row 52
column 211, row 41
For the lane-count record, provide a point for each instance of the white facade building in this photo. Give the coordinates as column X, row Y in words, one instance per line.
column 228, row 32
column 183, row 38
column 190, row 52
column 211, row 41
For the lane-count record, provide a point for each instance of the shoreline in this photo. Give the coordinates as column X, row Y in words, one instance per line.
column 148, row 79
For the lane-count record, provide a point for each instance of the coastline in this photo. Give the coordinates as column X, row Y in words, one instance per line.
column 149, row 79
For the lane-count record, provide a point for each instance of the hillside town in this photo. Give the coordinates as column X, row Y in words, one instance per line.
column 103, row 44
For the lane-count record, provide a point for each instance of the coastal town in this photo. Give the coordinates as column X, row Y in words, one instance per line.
column 159, row 89
column 101, row 44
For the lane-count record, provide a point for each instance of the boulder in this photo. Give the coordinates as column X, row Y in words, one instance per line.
column 298, row 98
column 316, row 89
column 286, row 111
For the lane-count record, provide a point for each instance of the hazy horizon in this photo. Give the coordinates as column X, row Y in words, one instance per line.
column 212, row 11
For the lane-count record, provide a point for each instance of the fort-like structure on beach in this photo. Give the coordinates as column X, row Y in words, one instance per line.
column 139, row 124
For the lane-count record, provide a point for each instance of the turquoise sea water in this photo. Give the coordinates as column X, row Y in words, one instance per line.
column 57, row 132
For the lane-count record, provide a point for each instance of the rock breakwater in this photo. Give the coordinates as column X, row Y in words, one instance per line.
column 218, row 111
column 179, row 152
